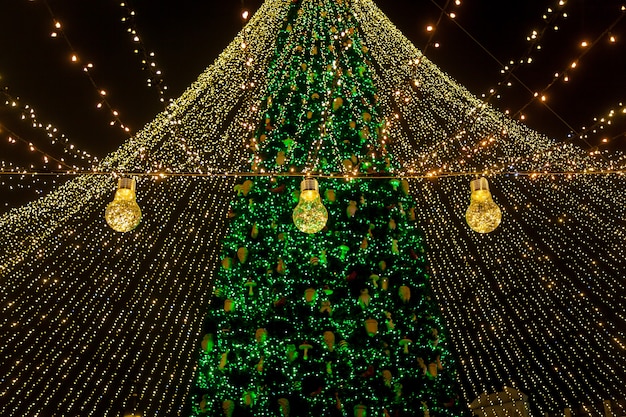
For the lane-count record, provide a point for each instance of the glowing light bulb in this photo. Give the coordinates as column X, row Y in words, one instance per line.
column 483, row 215
column 310, row 215
column 123, row 213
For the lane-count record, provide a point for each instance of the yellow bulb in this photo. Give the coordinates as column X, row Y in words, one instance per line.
column 123, row 213
column 483, row 215
column 310, row 215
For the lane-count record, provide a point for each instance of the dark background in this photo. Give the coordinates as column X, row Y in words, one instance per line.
column 187, row 35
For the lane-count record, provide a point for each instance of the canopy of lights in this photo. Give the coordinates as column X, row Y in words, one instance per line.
column 530, row 292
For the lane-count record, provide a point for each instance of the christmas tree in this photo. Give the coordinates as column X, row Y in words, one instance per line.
column 342, row 321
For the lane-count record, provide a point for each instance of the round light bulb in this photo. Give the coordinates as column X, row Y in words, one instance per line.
column 310, row 215
column 483, row 215
column 123, row 213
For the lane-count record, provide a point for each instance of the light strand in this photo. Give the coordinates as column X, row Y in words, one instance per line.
column 317, row 174
column 586, row 48
column 29, row 114
column 46, row 158
column 148, row 59
column 534, row 44
column 86, row 68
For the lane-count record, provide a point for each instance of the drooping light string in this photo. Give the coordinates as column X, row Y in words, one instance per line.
column 45, row 157
column 535, row 94
column 149, row 63
column 103, row 100
column 29, row 115
column 600, row 123
column 550, row 19
column 432, row 29
column 474, row 114
column 585, row 47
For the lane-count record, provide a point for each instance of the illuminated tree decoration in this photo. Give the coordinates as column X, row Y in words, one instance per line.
column 310, row 215
column 482, row 215
column 123, row 213
column 339, row 320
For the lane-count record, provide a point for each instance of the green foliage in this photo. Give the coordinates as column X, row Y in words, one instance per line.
column 289, row 313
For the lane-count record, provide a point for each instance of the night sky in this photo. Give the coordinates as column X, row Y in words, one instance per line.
column 187, row 35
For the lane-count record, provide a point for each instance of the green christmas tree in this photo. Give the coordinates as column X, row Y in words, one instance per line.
column 339, row 322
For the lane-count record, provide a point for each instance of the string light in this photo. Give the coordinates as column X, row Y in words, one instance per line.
column 103, row 101
column 46, row 158
column 29, row 115
column 600, row 123
column 586, row 48
column 550, row 17
column 431, row 28
column 148, row 59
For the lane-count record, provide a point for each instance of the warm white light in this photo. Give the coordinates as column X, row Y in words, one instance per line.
column 123, row 213
column 483, row 215
column 310, row 215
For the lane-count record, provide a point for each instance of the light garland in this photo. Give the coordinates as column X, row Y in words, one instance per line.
column 586, row 47
column 148, row 59
column 550, row 19
column 87, row 68
column 29, row 115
